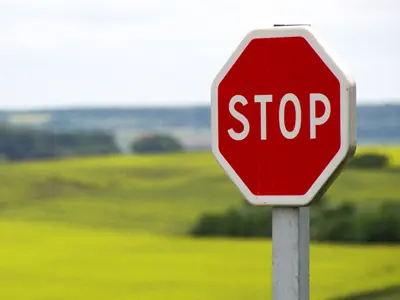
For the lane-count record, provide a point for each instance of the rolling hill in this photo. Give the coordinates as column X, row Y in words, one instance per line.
column 157, row 193
column 111, row 228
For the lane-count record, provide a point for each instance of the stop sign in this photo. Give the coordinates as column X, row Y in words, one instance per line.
column 282, row 116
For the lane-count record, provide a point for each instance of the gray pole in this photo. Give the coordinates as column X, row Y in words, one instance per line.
column 290, row 253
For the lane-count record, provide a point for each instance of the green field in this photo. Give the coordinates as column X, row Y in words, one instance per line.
column 105, row 228
column 49, row 261
column 162, row 194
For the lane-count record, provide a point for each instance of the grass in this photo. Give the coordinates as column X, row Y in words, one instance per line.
column 103, row 228
column 163, row 194
column 52, row 261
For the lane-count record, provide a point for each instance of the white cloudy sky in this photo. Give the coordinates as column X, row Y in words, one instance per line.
column 150, row 52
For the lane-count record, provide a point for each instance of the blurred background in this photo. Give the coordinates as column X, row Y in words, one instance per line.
column 108, row 186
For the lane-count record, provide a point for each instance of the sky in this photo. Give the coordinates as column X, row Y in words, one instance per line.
column 77, row 53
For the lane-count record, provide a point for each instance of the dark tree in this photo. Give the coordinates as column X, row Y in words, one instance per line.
column 26, row 144
column 156, row 143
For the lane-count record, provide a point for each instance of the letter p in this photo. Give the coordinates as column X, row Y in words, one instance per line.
column 314, row 121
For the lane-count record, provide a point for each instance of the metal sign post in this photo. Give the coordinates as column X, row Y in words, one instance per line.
column 290, row 253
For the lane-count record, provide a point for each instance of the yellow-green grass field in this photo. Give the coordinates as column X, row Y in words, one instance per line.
column 113, row 228
column 51, row 261
column 159, row 193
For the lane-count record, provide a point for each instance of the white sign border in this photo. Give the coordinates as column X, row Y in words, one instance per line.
column 348, row 117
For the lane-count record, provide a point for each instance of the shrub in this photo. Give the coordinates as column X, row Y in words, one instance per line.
column 333, row 222
column 208, row 225
column 253, row 222
column 156, row 143
column 381, row 223
column 369, row 161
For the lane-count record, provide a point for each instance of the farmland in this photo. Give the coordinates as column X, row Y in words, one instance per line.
column 159, row 193
column 113, row 228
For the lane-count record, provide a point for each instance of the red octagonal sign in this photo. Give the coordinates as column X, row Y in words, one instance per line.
column 282, row 116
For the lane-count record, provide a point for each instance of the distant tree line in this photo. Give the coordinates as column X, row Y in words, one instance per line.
column 329, row 220
column 346, row 222
column 26, row 144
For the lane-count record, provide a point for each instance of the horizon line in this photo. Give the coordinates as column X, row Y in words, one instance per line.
column 394, row 101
